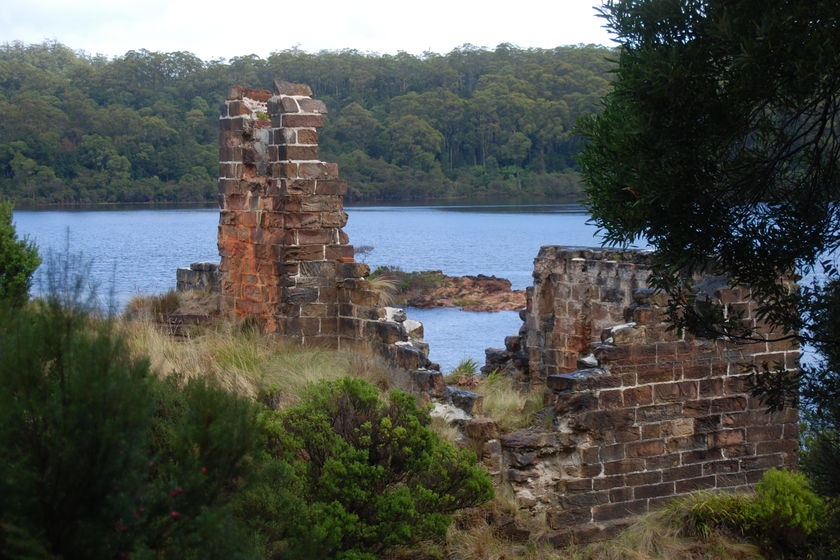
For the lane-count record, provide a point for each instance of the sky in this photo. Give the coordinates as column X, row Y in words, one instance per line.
column 215, row 29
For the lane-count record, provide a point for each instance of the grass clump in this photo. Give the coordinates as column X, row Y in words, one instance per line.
column 512, row 408
column 248, row 362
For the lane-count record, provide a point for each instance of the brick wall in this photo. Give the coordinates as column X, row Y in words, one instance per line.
column 640, row 413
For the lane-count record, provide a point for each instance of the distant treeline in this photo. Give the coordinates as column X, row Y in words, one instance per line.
column 143, row 127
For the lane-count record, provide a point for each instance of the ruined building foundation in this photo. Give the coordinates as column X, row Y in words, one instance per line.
column 639, row 414
column 636, row 413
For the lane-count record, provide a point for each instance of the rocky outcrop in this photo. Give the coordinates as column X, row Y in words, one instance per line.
column 470, row 293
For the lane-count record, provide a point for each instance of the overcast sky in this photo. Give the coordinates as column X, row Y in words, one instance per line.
column 216, row 29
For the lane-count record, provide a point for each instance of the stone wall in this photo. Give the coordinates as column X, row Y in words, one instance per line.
column 640, row 414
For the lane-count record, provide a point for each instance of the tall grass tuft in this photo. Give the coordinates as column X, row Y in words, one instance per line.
column 248, row 362
column 511, row 408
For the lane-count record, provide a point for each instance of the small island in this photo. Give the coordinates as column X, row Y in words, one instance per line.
column 432, row 288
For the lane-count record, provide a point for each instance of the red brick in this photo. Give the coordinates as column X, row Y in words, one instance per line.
column 662, row 462
column 636, row 396
column 700, row 371
column 726, row 438
column 659, row 412
column 301, row 153
column 675, row 392
column 778, row 446
column 685, row 472
column 624, row 494
column 623, row 467
column 645, row 448
column 610, row 399
column 728, row 404
column 643, row 478
column 765, row 433
column 655, row 374
column 700, row 456
column 609, row 512
column 302, row 120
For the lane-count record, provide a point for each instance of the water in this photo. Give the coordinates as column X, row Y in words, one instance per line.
column 136, row 252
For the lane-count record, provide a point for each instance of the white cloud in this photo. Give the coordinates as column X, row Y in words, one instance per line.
column 213, row 29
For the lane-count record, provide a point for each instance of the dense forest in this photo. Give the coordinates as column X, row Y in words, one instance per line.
column 142, row 127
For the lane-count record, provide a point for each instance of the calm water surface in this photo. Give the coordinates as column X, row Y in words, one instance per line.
column 137, row 252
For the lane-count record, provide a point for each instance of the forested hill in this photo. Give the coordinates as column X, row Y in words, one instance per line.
column 143, row 127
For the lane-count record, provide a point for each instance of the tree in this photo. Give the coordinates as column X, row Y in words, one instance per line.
column 18, row 260
column 718, row 144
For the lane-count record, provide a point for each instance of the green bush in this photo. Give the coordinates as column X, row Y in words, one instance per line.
column 18, row 260
column 780, row 515
column 369, row 475
column 99, row 459
column 786, row 510
column 785, row 499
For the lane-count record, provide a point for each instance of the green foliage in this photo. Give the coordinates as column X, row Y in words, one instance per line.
column 706, row 99
column 406, row 282
column 467, row 366
column 779, row 516
column 100, row 459
column 18, row 260
column 368, row 474
column 786, row 502
column 717, row 144
column 143, row 127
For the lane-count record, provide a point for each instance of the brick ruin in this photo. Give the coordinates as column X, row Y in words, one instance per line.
column 639, row 414
column 286, row 264
column 636, row 414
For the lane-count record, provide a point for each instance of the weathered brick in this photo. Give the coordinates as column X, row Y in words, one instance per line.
column 692, row 484
column 300, row 153
column 645, row 448
column 675, row 392
column 307, row 120
column 609, row 512
column 653, row 491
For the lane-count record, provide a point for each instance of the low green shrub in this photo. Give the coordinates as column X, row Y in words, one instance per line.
column 369, row 475
column 779, row 516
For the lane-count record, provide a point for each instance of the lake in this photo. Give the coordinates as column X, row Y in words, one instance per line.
column 136, row 251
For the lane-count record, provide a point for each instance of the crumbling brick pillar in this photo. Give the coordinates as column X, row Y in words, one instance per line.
column 284, row 255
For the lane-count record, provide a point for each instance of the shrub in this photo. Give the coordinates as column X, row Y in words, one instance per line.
column 73, row 410
column 786, row 510
column 18, row 260
column 99, row 459
column 370, row 475
column 779, row 516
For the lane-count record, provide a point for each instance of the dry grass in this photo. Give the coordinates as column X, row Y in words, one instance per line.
column 236, row 357
column 480, row 535
column 247, row 362
column 661, row 536
column 499, row 530
column 386, row 286
column 250, row 363
column 511, row 408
